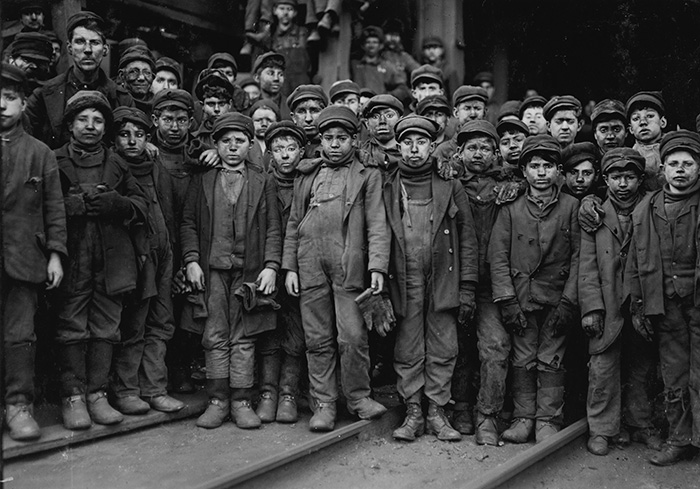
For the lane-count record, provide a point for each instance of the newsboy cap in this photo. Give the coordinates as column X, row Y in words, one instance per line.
column 382, row 101
column 173, row 97
column 561, row 102
column 342, row 88
column 653, row 99
column 265, row 104
column 125, row 114
column 540, row 144
column 532, row 101
column 433, row 102
column 469, row 92
column 82, row 18
column 169, row 64
column 285, row 128
column 269, row 59
column 32, row 45
column 511, row 125
column 413, row 123
column 621, row 158
column 306, row 92
column 12, row 75
column 510, row 109
column 577, row 153
column 233, row 121
column 477, row 128
column 213, row 78
column 224, row 58
column 610, row 108
column 426, row 73
column 338, row 115
column 680, row 140
column 87, row 99
column 137, row 53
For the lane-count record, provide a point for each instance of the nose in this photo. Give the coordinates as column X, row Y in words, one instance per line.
column 579, row 178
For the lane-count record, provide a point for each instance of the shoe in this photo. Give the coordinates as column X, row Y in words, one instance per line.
column 267, row 407
column 413, row 425
column 545, row 429
column 244, row 416
column 259, row 37
column 314, row 37
column 486, row 430
column 287, row 409
column 463, row 422
column 324, row 417
column 131, row 405
column 366, row 408
column 622, row 439
column 20, row 422
column 520, row 430
column 75, row 414
column 326, row 22
column 671, row 454
column 165, row 403
column 648, row 436
column 437, row 424
column 246, row 50
column 216, row 413
column 100, row 410
column 598, row 445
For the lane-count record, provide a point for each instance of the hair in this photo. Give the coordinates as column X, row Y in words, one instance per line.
column 17, row 87
column 91, row 25
column 271, row 63
column 157, row 112
column 217, row 92
column 609, row 117
column 118, row 127
column 545, row 155
column 645, row 106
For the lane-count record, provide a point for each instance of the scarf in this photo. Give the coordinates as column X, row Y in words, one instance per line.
column 141, row 165
column 283, row 181
column 676, row 197
column 625, row 207
column 337, row 164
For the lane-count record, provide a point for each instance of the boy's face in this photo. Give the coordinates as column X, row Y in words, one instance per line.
column 479, row 154
column 253, row 91
column 351, row 101
column 580, row 178
column 610, row 134
column 12, row 106
column 262, row 119
column 285, row 13
column 470, row 110
column 32, row 19
column 424, row 89
column 511, row 145
column 214, row 107
column 434, row 53
column 138, row 78
column 681, row 169
column 533, row 117
column 381, row 123
column 305, row 115
column 646, row 125
column 164, row 79
column 337, row 143
column 233, row 147
column 372, row 46
column 227, row 70
column 623, row 184
column 87, row 49
column 438, row 116
column 172, row 125
column 540, row 173
column 564, row 126
column 271, row 80
column 131, row 140
column 286, row 154
column 488, row 86
column 88, row 127
column 415, row 149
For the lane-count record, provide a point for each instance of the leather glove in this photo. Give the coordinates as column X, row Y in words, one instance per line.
column 641, row 322
column 590, row 213
column 593, row 324
column 446, row 169
column 507, row 192
column 180, row 284
column 467, row 304
column 377, row 311
column 109, row 204
column 561, row 318
column 513, row 317
column 388, row 321
column 75, row 204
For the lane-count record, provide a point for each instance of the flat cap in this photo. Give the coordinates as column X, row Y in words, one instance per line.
column 577, row 153
column 540, row 144
column 233, row 121
column 169, row 64
column 130, row 114
column 173, row 97
column 427, row 74
column 367, row 92
column 82, row 18
column 483, row 76
column 10, row 74
column 510, row 108
column 224, row 58
column 477, row 128
column 285, row 128
column 130, row 42
column 212, row 78
column 653, row 99
column 137, row 53
column 306, row 92
column 269, row 59
column 432, row 41
column 469, row 92
column 560, row 102
column 511, row 125
column 342, row 88
column 433, row 102
column 32, row 45
column 87, row 99
column 244, row 81
column 413, row 123
column 621, row 158
column 680, row 140
column 372, row 31
column 382, row 101
column 611, row 108
column 532, row 101
column 265, row 104
column 32, row 6
column 293, row 3
column 338, row 115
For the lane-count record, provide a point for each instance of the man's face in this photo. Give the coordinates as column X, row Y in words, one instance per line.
column 164, row 79
column 479, row 154
column 392, row 41
column 381, row 123
column 138, row 78
column 253, row 91
column 351, row 101
column 270, row 80
column 29, row 66
column 285, row 13
column 12, row 106
column 227, row 71
column 510, row 145
column 533, row 118
column 372, row 46
column 131, row 140
column 262, row 119
column 439, row 116
column 32, row 19
column 540, row 173
column 286, row 154
column 88, row 127
column 56, row 52
column 564, row 126
column 470, row 110
column 488, row 86
column 681, row 169
column 580, row 178
column 172, row 125
column 610, row 134
column 214, row 107
column 646, row 125
column 337, row 143
column 305, row 114
column 87, row 49
column 433, row 53
column 233, row 147
column 623, row 184
column 424, row 89
column 415, row 149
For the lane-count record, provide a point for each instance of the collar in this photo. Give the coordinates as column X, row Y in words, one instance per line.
column 13, row 134
column 73, row 80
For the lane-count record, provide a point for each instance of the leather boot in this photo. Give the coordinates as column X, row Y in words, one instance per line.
column 72, row 365
column 545, row 429
column 438, row 424
column 244, row 416
column 289, row 387
column 672, row 454
column 550, row 398
column 519, row 431
column 598, row 445
column 74, row 412
column 100, row 410
column 269, row 383
column 413, row 425
column 132, row 405
column 324, row 417
column 366, row 408
column 486, row 430
column 20, row 422
column 219, row 404
column 524, row 385
column 462, row 419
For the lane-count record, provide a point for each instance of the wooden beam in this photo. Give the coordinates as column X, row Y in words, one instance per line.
column 443, row 18
column 60, row 13
column 181, row 16
column 334, row 59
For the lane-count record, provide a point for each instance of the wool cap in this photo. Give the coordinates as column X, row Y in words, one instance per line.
column 541, row 143
column 137, row 53
column 82, row 18
column 510, row 108
column 285, row 128
column 269, row 59
column 511, row 125
column 561, row 102
column 653, row 99
column 577, row 153
column 306, row 92
column 382, row 101
column 475, row 129
column 213, row 78
column 233, row 121
column 611, row 108
column 468, row 92
column 532, row 101
column 426, row 74
column 247, row 80
column 372, row 31
column 12, row 75
column 130, row 114
column 432, row 41
column 130, row 42
column 293, row 3
column 265, row 103
column 87, row 99
column 416, row 124
column 483, row 76
column 621, row 158
column 173, row 96
column 367, row 92
column 433, row 102
column 342, row 88
column 169, row 64
column 225, row 58
column 338, row 115
column 680, row 140
column 32, row 45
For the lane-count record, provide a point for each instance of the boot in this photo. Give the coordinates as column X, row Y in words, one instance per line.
column 244, row 416
column 131, row 405
column 524, row 385
column 20, row 422
column 438, row 424
column 486, row 430
column 164, row 403
column 74, row 412
column 519, row 431
column 219, row 405
column 545, row 429
column 324, row 417
column 289, row 387
column 100, row 410
column 72, row 366
column 269, row 382
column 413, row 425
column 462, row 418
column 672, row 454
column 366, row 408
column 598, row 445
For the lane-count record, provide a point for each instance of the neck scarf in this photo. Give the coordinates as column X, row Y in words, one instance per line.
column 625, row 207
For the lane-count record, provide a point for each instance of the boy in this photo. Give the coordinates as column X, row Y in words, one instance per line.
column 168, row 74
column 563, row 115
column 380, row 116
column 533, row 253
column 347, row 93
column 306, row 103
column 609, row 122
column 437, row 109
column 230, row 236
column 336, row 236
column 531, row 114
column 269, row 70
column 264, row 113
column 512, row 134
column 580, row 168
column 289, row 39
column 426, row 80
column 645, row 113
column 34, row 241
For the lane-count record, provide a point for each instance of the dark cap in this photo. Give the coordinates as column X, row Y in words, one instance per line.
column 430, row 41
column 175, row 97
column 533, row 100
column 561, row 102
column 213, row 78
column 610, row 108
column 372, row 31
column 477, row 128
column 32, row 45
column 511, row 125
column 433, row 102
column 169, row 64
column 130, row 42
column 244, row 81
column 367, row 92
column 82, row 18
column 285, row 128
column 577, row 153
column 306, row 92
column 469, row 92
column 137, row 53
column 483, row 76
column 382, row 101
column 343, row 87
column 269, row 59
column 225, row 58
column 32, row 6
column 427, row 74
column 266, row 104
column 621, row 158
column 14, row 76
column 653, row 99
column 233, row 121
column 413, row 123
column 680, row 140
column 543, row 144
column 87, row 99
column 510, row 108
column 293, row 3
column 393, row 25
column 124, row 114
column 338, row 115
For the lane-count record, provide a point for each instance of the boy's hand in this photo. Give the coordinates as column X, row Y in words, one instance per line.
column 377, row 282
column 209, row 157
column 267, row 280
column 195, row 275
column 513, row 317
column 110, row 204
column 641, row 322
column 54, row 271
column 507, row 192
column 291, row 283
column 593, row 324
column 560, row 318
column 467, row 304
column 152, row 150
column 180, row 284
column 590, row 213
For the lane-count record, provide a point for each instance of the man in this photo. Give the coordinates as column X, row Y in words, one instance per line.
column 347, row 93
column 32, row 17
column 226, row 63
column 264, row 113
column 168, row 74
column 136, row 72
column 426, row 80
column 32, row 52
column 647, row 121
column 609, row 122
column 381, row 150
column 531, row 113
column 563, row 115
column 433, row 53
column 289, row 39
column 306, row 103
column 437, row 109
column 269, row 71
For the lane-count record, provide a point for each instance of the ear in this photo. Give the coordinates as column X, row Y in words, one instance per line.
column 154, row 119
column 663, row 122
column 454, row 112
column 69, row 47
column 256, row 77
column 192, row 123
column 413, row 93
column 433, row 145
column 442, row 91
column 549, row 125
column 605, row 179
column 105, row 51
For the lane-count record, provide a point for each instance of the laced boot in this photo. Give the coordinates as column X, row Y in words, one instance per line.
column 366, row 408
column 324, row 417
column 243, row 415
column 413, row 425
column 289, row 386
column 74, row 412
column 486, row 430
column 462, row 419
column 672, row 454
column 20, row 421
column 100, row 410
column 545, row 429
column 219, row 405
column 519, row 431
column 437, row 424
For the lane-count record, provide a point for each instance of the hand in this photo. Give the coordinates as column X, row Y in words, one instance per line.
column 267, row 281
column 209, row 157
column 446, row 169
column 75, row 204
column 513, row 318
column 560, row 318
column 507, row 192
column 54, row 271
column 152, row 150
column 640, row 322
column 291, row 283
column 593, row 324
column 377, row 282
column 180, row 284
column 467, row 305
column 110, row 204
column 590, row 213
column 195, row 276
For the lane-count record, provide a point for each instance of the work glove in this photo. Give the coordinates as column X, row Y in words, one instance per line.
column 180, row 284
column 590, row 213
column 561, row 318
column 109, row 204
column 507, row 192
column 592, row 324
column 641, row 322
column 377, row 311
column 467, row 304
column 75, row 203
column 447, row 169
column 513, row 318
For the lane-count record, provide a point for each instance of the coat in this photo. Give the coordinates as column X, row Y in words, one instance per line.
column 454, row 245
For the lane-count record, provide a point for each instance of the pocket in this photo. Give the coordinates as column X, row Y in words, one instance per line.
column 41, row 241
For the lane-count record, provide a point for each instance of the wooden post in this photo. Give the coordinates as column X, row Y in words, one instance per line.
column 334, row 60
column 60, row 13
column 443, row 18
